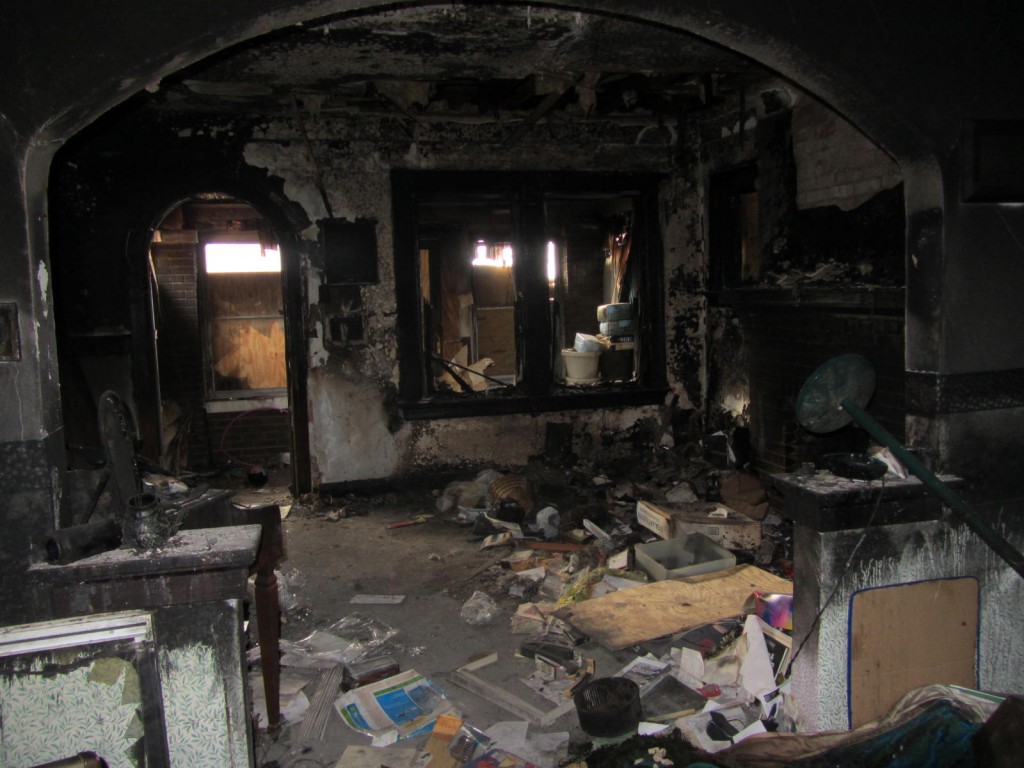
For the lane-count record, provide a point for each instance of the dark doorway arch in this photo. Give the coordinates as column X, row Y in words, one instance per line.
column 103, row 281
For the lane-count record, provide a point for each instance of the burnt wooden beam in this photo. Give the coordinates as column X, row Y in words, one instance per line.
column 547, row 104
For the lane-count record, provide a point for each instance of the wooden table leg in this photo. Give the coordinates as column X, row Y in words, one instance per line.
column 268, row 619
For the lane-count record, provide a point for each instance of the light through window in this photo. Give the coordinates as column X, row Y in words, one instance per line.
column 244, row 317
column 512, row 274
column 223, row 258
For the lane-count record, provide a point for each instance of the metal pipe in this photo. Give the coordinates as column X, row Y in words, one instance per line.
column 78, row 541
column 986, row 532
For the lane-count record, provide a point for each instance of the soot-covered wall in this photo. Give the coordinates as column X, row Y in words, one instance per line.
column 356, row 428
column 828, row 278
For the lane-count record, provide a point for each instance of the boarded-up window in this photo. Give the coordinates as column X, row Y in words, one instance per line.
column 245, row 322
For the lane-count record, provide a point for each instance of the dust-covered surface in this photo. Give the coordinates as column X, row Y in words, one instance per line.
column 413, row 558
column 344, row 549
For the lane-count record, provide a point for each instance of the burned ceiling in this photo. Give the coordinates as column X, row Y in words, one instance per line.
column 464, row 62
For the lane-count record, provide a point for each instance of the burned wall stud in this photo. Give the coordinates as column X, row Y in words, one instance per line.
column 10, row 342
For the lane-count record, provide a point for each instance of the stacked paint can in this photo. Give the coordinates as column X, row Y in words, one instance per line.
column 618, row 327
column 616, row 322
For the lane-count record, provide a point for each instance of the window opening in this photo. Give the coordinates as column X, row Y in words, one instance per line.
column 595, row 289
column 734, row 229
column 510, row 275
column 244, row 316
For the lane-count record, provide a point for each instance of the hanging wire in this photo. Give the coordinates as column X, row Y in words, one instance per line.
column 227, row 429
column 842, row 576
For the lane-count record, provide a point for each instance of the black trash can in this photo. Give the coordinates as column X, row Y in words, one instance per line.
column 609, row 707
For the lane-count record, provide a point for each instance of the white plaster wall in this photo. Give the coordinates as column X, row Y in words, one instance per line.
column 349, row 438
column 931, row 550
column 836, row 164
column 354, row 443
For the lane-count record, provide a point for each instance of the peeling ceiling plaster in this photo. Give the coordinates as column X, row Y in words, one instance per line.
column 462, row 59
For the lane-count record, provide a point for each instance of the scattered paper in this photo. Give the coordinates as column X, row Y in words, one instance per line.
column 292, row 710
column 377, row 599
column 540, row 748
column 756, row 674
column 652, row 729
column 690, row 665
column 397, row 707
column 497, row 540
column 370, row 757
column 619, row 561
column 645, row 671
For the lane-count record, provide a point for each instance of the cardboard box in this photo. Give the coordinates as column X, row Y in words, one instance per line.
column 684, row 556
column 723, row 525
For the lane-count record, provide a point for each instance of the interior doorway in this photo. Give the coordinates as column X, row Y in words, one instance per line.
column 219, row 321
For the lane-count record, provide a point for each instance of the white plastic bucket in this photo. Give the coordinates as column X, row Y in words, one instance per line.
column 580, row 365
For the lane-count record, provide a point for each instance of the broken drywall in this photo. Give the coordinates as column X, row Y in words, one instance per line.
column 69, row 703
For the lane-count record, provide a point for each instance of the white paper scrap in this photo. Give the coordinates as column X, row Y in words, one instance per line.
column 756, row 674
column 377, row 599
column 652, row 729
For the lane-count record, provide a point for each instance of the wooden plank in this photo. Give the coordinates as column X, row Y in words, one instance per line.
column 910, row 635
column 631, row 616
column 147, row 592
column 190, row 550
column 321, row 704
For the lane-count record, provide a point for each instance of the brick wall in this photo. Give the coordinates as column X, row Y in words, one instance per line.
column 252, row 437
column 836, row 164
column 243, row 437
column 179, row 341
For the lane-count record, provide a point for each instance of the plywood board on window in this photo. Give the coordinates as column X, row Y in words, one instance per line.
column 245, row 295
column 250, row 354
column 496, row 338
column 910, row 635
column 634, row 615
column 493, row 286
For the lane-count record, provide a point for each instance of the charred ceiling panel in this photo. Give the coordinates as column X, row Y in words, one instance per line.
column 430, row 62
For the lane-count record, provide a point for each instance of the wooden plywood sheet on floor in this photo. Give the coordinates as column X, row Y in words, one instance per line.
column 632, row 616
column 907, row 636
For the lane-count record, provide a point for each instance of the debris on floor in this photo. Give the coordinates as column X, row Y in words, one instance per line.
column 559, row 541
column 599, row 603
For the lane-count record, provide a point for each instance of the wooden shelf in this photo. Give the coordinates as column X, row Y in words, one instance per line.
column 862, row 298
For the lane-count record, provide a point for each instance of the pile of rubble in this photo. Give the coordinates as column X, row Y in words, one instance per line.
column 577, row 547
column 647, row 561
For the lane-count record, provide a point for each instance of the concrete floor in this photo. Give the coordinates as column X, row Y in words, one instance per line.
column 436, row 565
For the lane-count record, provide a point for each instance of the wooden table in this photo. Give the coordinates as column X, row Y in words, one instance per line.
column 215, row 509
column 194, row 587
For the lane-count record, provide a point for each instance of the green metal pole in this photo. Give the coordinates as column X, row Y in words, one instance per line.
column 986, row 532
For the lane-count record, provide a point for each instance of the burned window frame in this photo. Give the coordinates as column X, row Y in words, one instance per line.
column 536, row 389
